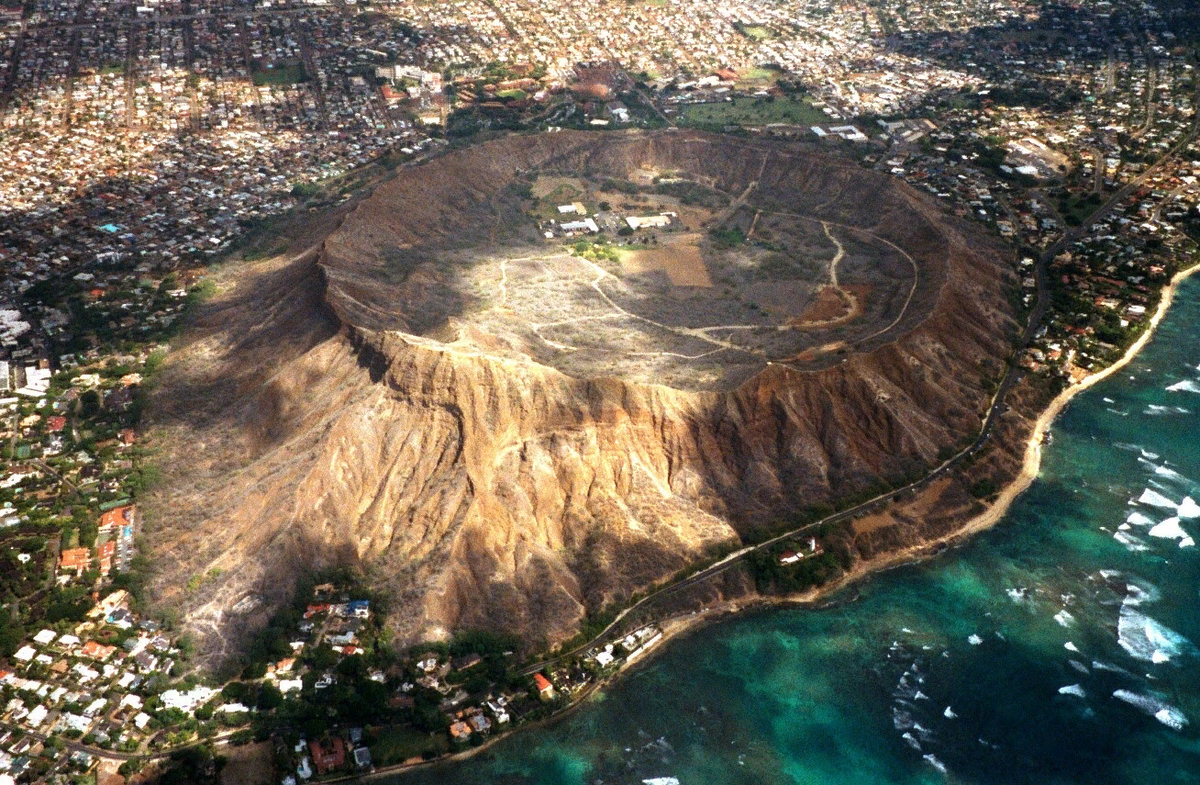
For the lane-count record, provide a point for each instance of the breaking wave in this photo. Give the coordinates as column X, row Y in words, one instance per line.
column 1169, row 529
column 1138, row 519
column 1064, row 618
column 1130, row 542
column 1146, row 639
column 1155, row 499
column 1163, row 712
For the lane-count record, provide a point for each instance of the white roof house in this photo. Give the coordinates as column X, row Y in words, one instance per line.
column 37, row 716
column 25, row 653
column 187, row 701
column 45, row 637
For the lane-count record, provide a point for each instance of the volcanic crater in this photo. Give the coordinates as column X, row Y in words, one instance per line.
column 510, row 430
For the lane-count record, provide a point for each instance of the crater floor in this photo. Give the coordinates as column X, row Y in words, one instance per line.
column 746, row 274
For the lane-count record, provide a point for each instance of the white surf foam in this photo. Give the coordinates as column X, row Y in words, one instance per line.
column 1187, row 542
column 1071, row 647
column 1018, row 595
column 1109, row 400
column 1130, row 542
column 1187, row 385
column 1064, row 618
column 934, row 762
column 1079, row 666
column 974, row 640
column 1171, row 717
column 1169, row 529
column 1106, row 666
column 1147, row 454
column 1188, row 508
column 949, row 713
column 1141, row 592
column 1171, row 474
column 1155, row 499
column 1163, row 712
column 1146, row 639
column 1155, row 409
column 912, row 740
column 1138, row 519
column 1072, row 689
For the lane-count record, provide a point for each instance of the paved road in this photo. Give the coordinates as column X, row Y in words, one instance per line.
column 995, row 410
column 75, row 746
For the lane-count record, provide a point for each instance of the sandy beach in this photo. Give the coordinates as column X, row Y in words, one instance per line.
column 691, row 622
column 1030, row 467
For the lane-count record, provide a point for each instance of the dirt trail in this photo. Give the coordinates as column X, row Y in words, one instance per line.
column 841, row 254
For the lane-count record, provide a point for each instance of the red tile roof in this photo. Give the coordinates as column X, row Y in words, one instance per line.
column 74, row 559
column 330, row 755
column 117, row 516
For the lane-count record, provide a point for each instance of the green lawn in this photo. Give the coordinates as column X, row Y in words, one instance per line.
column 515, row 95
column 760, row 75
column 562, row 195
column 756, row 32
column 280, row 75
column 754, row 111
column 398, row 743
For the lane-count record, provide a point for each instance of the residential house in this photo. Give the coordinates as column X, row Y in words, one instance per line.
column 544, row 687
column 329, row 755
column 73, row 560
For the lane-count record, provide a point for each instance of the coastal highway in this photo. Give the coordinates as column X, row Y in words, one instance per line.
column 996, row 408
column 99, row 752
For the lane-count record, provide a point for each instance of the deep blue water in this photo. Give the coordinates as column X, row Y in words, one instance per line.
column 994, row 663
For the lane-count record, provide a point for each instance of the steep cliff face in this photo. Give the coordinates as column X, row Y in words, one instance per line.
column 329, row 409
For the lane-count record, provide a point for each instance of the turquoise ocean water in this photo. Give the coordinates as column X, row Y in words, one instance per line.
column 1056, row 648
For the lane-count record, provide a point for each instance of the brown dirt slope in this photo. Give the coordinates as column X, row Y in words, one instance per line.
column 314, row 416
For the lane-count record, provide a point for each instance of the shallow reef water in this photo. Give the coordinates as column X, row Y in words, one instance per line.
column 1059, row 647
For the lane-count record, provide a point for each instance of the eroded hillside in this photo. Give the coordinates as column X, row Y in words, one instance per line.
column 504, row 433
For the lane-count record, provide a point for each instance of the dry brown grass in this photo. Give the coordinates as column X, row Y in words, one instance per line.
column 832, row 304
column 252, row 764
column 681, row 261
